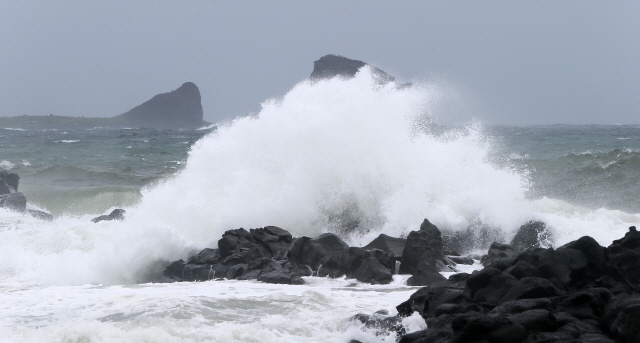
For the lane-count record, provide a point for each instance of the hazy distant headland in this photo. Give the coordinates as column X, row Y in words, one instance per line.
column 181, row 108
column 178, row 109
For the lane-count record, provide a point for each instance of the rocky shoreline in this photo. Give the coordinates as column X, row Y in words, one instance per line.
column 580, row 292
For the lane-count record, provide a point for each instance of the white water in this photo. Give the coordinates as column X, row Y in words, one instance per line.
column 324, row 154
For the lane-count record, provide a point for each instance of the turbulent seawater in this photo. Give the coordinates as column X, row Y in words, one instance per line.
column 348, row 156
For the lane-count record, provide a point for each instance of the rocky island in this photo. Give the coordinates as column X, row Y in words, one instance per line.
column 178, row 109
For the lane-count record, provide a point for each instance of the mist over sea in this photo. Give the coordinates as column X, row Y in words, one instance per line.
column 353, row 157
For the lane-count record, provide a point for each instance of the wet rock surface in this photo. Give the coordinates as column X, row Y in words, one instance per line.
column 13, row 200
column 271, row 254
column 117, row 214
column 580, row 292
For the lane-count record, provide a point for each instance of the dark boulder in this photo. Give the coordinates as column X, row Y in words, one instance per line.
column 206, row 256
column 358, row 263
column 425, row 275
column 277, row 273
column 587, row 304
column 342, row 262
column 580, row 292
column 422, row 245
column 624, row 319
column 460, row 259
column 117, row 214
column 198, row 272
column 478, row 236
column 330, row 66
column 426, row 300
column 372, row 271
column 532, row 288
column 392, row 245
column 381, row 322
column 174, row 270
column 8, row 182
column 533, row 234
column 535, row 320
column 14, row 201
column 311, row 251
column 499, row 256
column 41, row 215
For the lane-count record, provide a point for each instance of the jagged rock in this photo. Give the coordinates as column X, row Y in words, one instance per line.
column 531, row 235
column 580, row 292
column 117, row 214
column 422, row 245
column 241, row 254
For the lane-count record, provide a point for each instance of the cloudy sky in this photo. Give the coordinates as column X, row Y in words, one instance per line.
column 504, row 62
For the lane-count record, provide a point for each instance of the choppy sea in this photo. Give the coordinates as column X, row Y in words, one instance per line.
column 347, row 156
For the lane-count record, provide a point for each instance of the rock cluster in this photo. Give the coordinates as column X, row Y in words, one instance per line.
column 580, row 292
column 13, row 200
column 271, row 254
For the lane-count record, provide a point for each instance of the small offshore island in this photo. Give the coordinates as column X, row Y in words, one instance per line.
column 178, row 109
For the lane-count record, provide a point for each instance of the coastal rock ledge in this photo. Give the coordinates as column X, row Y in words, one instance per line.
column 580, row 292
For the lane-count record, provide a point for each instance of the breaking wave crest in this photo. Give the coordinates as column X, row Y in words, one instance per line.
column 349, row 156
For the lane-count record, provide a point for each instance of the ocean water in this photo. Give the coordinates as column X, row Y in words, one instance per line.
column 354, row 157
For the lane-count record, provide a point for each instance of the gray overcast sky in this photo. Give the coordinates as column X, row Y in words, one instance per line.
column 506, row 62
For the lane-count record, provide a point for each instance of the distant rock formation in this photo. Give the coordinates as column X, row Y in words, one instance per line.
column 178, row 109
column 330, row 66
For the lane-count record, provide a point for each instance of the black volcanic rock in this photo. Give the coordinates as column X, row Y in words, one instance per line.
column 533, row 234
column 580, row 292
column 330, row 66
column 117, row 214
column 422, row 245
column 392, row 245
column 311, row 251
column 180, row 109
column 8, row 182
column 14, row 201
